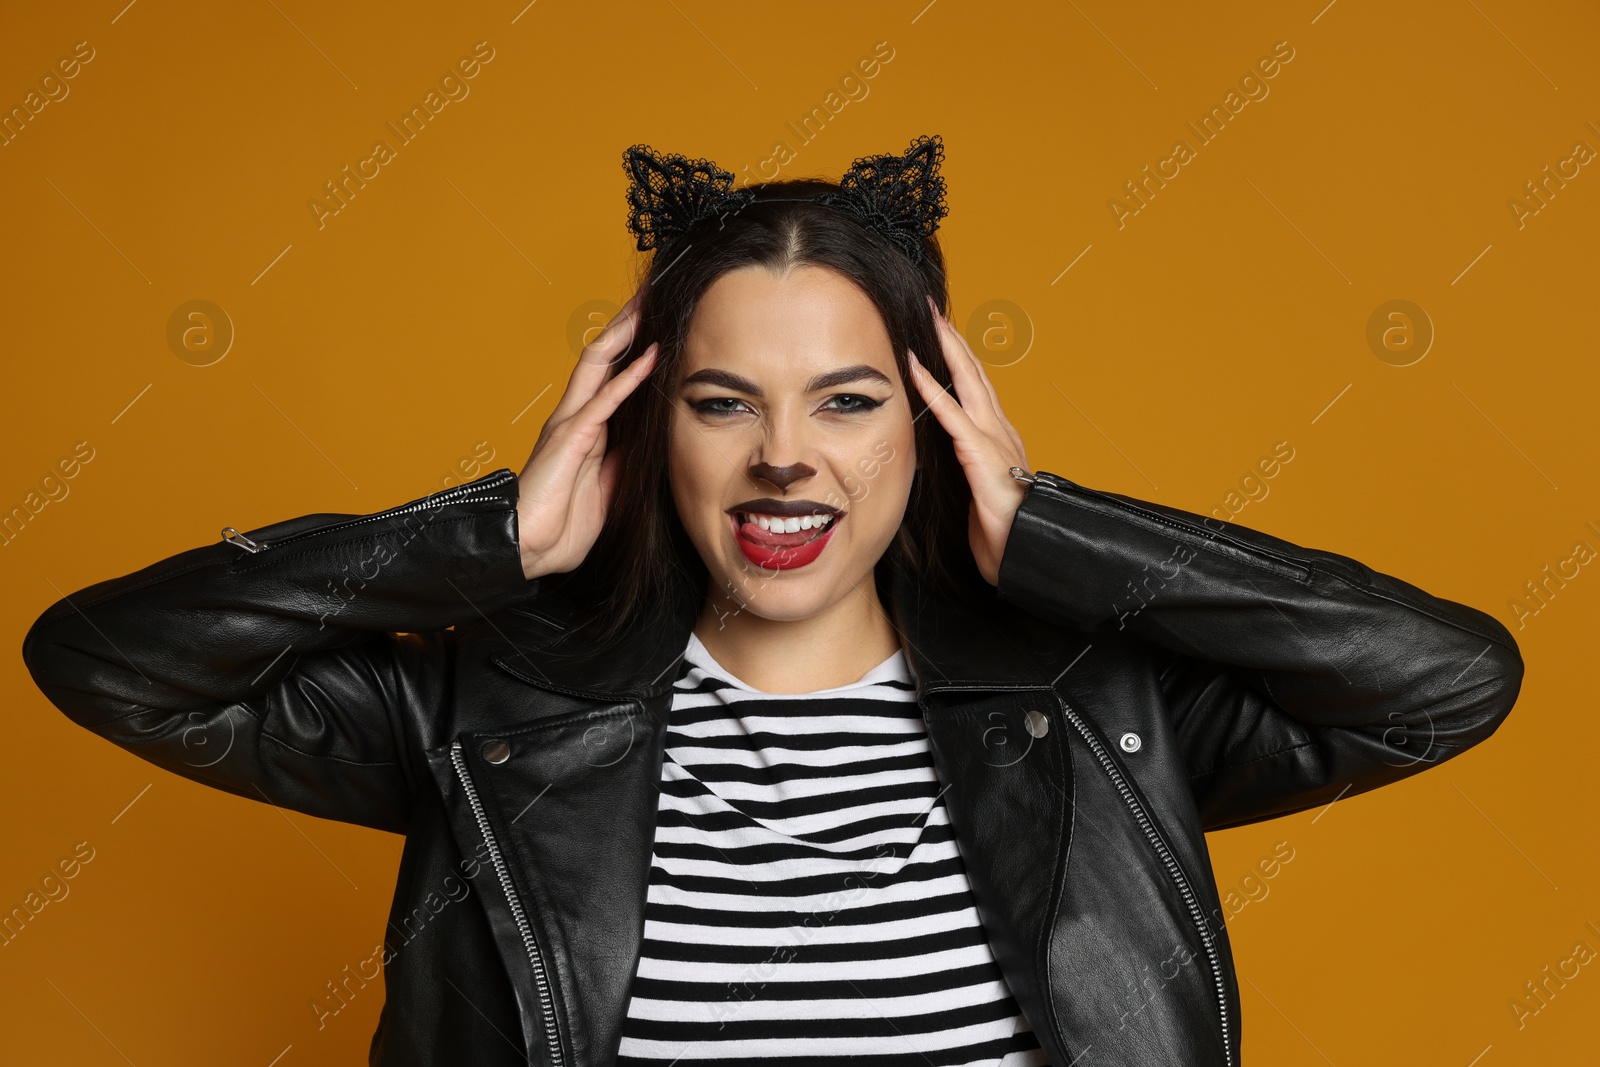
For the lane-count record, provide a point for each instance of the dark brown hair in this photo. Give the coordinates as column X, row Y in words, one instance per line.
column 643, row 557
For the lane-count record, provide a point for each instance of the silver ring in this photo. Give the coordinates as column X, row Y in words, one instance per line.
column 1021, row 474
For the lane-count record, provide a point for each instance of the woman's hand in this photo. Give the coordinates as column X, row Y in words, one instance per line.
column 985, row 442
column 566, row 487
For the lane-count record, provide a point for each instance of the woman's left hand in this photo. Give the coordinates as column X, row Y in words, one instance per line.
column 985, row 443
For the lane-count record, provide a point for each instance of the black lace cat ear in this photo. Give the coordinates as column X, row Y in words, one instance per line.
column 667, row 194
column 902, row 196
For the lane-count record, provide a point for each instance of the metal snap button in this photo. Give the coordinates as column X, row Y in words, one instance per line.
column 495, row 751
column 1130, row 742
column 1037, row 724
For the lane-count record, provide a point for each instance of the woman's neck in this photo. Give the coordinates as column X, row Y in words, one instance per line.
column 835, row 647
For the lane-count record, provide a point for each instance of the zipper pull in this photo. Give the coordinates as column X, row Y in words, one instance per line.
column 234, row 537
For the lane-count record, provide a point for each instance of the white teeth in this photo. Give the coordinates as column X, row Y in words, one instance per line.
column 777, row 524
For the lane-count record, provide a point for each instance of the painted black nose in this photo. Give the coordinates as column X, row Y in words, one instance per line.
column 782, row 477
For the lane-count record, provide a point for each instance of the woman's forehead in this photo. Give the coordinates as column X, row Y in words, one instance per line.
column 794, row 324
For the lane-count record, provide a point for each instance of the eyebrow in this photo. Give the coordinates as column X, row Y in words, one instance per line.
column 860, row 372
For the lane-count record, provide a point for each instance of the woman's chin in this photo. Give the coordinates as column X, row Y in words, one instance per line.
column 790, row 583
column 776, row 595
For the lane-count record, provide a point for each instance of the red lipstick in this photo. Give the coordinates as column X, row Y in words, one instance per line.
column 781, row 550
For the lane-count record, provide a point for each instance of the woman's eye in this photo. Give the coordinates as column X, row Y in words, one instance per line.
column 862, row 403
column 708, row 407
column 846, row 403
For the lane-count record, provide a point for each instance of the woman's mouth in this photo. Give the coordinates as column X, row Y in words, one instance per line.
column 777, row 542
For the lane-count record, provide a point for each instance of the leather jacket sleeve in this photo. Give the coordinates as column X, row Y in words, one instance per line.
column 1293, row 676
column 285, row 672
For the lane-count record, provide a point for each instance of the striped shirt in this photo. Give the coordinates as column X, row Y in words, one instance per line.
column 806, row 901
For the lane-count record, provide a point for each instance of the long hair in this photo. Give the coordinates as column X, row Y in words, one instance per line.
column 643, row 557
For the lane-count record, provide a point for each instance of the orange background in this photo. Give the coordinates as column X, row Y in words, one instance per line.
column 435, row 311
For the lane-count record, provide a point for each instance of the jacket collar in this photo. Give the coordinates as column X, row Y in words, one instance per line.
column 980, row 643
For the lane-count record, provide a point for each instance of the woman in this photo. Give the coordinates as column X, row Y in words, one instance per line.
column 774, row 711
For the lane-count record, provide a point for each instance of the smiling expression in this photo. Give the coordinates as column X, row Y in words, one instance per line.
column 791, row 451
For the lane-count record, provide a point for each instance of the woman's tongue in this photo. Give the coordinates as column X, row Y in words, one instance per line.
column 769, row 539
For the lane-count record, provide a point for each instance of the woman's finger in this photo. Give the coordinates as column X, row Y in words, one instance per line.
column 579, row 441
column 951, row 415
column 960, row 340
column 598, row 358
column 977, row 365
column 977, row 372
column 994, row 395
column 610, row 396
column 978, row 401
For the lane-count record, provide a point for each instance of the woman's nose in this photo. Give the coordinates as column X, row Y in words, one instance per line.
column 782, row 477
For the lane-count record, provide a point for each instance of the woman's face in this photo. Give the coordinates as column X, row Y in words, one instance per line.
column 791, row 452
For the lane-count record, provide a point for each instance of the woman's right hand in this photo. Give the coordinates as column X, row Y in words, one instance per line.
column 566, row 487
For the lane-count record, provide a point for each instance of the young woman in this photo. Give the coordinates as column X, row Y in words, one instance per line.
column 775, row 712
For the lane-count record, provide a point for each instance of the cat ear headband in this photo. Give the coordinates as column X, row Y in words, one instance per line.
column 899, row 196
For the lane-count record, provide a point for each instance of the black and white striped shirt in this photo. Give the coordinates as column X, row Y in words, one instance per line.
column 806, row 900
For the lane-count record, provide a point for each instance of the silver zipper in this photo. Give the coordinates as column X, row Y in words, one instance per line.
column 546, row 1002
column 1172, row 868
column 234, row 537
column 461, row 494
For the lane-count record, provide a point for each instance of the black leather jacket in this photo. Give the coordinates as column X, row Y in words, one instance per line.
column 1142, row 675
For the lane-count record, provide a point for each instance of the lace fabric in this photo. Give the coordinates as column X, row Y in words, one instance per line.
column 901, row 196
column 667, row 194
